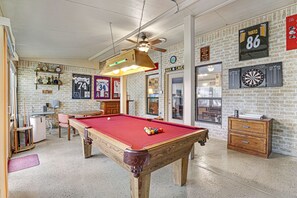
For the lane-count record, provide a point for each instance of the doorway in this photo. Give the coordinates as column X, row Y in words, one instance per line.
column 176, row 97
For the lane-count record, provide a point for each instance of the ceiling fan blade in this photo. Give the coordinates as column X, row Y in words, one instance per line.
column 156, row 41
column 131, row 41
column 158, row 49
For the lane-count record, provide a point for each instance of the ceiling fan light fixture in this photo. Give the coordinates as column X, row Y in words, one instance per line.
column 143, row 47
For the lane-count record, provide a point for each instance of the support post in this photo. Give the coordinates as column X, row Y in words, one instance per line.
column 123, row 100
column 189, row 72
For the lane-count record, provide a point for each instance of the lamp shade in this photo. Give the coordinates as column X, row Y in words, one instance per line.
column 128, row 62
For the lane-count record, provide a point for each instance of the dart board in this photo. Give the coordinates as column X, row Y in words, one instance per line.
column 252, row 78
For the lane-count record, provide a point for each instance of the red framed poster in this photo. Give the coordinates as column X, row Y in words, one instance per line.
column 291, row 29
column 116, row 88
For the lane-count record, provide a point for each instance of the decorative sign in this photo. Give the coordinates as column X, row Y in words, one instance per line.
column 116, row 88
column 253, row 42
column 204, row 54
column 291, row 32
column 266, row 75
column 47, row 91
column 101, row 87
column 173, row 59
column 81, row 86
column 181, row 67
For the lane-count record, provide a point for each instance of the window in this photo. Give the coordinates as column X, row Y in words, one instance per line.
column 152, row 84
column 209, row 93
column 12, row 89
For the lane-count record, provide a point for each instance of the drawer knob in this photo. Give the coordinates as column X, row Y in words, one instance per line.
column 246, row 127
column 245, row 141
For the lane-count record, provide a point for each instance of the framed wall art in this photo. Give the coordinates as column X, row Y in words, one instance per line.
column 116, row 88
column 253, row 42
column 81, row 86
column 291, row 27
column 101, row 87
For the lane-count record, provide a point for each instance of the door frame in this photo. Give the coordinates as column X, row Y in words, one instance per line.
column 166, row 92
column 4, row 123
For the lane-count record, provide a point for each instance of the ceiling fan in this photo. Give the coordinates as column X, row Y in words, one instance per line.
column 145, row 44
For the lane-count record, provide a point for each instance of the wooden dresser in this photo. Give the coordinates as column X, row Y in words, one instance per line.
column 250, row 136
column 110, row 107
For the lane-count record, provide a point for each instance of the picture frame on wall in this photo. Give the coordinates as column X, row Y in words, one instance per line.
column 81, row 86
column 116, row 88
column 254, row 42
column 101, row 87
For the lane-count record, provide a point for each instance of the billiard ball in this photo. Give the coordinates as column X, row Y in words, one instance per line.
column 108, row 118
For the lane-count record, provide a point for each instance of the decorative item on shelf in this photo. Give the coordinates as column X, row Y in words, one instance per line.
column 39, row 80
column 44, row 80
column 49, row 81
column 56, row 81
column 58, row 69
column 39, row 67
column 44, row 67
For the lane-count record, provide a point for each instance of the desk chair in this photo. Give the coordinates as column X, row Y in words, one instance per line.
column 64, row 122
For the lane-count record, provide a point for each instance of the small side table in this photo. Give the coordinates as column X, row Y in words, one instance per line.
column 28, row 139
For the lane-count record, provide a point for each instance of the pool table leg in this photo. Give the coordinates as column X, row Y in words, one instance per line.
column 140, row 187
column 87, row 148
column 193, row 152
column 180, row 170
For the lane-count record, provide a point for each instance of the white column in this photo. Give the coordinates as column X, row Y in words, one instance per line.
column 189, row 70
column 123, row 101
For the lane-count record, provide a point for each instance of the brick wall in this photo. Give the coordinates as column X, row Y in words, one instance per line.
column 278, row 103
column 35, row 100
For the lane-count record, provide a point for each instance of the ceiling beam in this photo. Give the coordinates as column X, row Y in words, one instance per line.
column 170, row 12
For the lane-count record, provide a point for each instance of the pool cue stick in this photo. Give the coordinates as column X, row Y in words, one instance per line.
column 25, row 123
column 25, row 118
column 15, row 125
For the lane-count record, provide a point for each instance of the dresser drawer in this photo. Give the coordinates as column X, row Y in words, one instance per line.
column 248, row 142
column 257, row 128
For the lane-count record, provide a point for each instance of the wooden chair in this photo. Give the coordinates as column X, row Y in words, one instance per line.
column 64, row 123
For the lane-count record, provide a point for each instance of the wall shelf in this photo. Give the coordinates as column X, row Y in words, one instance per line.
column 51, row 72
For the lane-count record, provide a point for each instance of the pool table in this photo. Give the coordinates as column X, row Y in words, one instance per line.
column 123, row 139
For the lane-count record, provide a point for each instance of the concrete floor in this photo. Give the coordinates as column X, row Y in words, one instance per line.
column 215, row 172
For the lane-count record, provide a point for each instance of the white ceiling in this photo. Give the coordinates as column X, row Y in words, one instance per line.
column 79, row 29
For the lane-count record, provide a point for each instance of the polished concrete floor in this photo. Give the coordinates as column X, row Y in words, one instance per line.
column 215, row 172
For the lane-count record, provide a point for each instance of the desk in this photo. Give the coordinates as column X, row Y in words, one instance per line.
column 123, row 139
column 86, row 113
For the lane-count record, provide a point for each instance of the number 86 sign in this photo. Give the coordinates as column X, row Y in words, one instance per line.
column 253, row 42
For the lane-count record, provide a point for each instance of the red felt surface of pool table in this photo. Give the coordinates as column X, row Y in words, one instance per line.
column 129, row 129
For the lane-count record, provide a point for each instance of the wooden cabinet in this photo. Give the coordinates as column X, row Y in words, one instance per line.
column 110, row 107
column 250, row 136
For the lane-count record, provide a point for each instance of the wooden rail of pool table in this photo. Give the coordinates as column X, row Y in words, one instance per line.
column 175, row 150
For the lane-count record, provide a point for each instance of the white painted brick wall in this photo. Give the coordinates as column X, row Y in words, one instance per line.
column 34, row 97
column 278, row 103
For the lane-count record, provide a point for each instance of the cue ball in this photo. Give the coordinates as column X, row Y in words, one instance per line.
column 108, row 118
